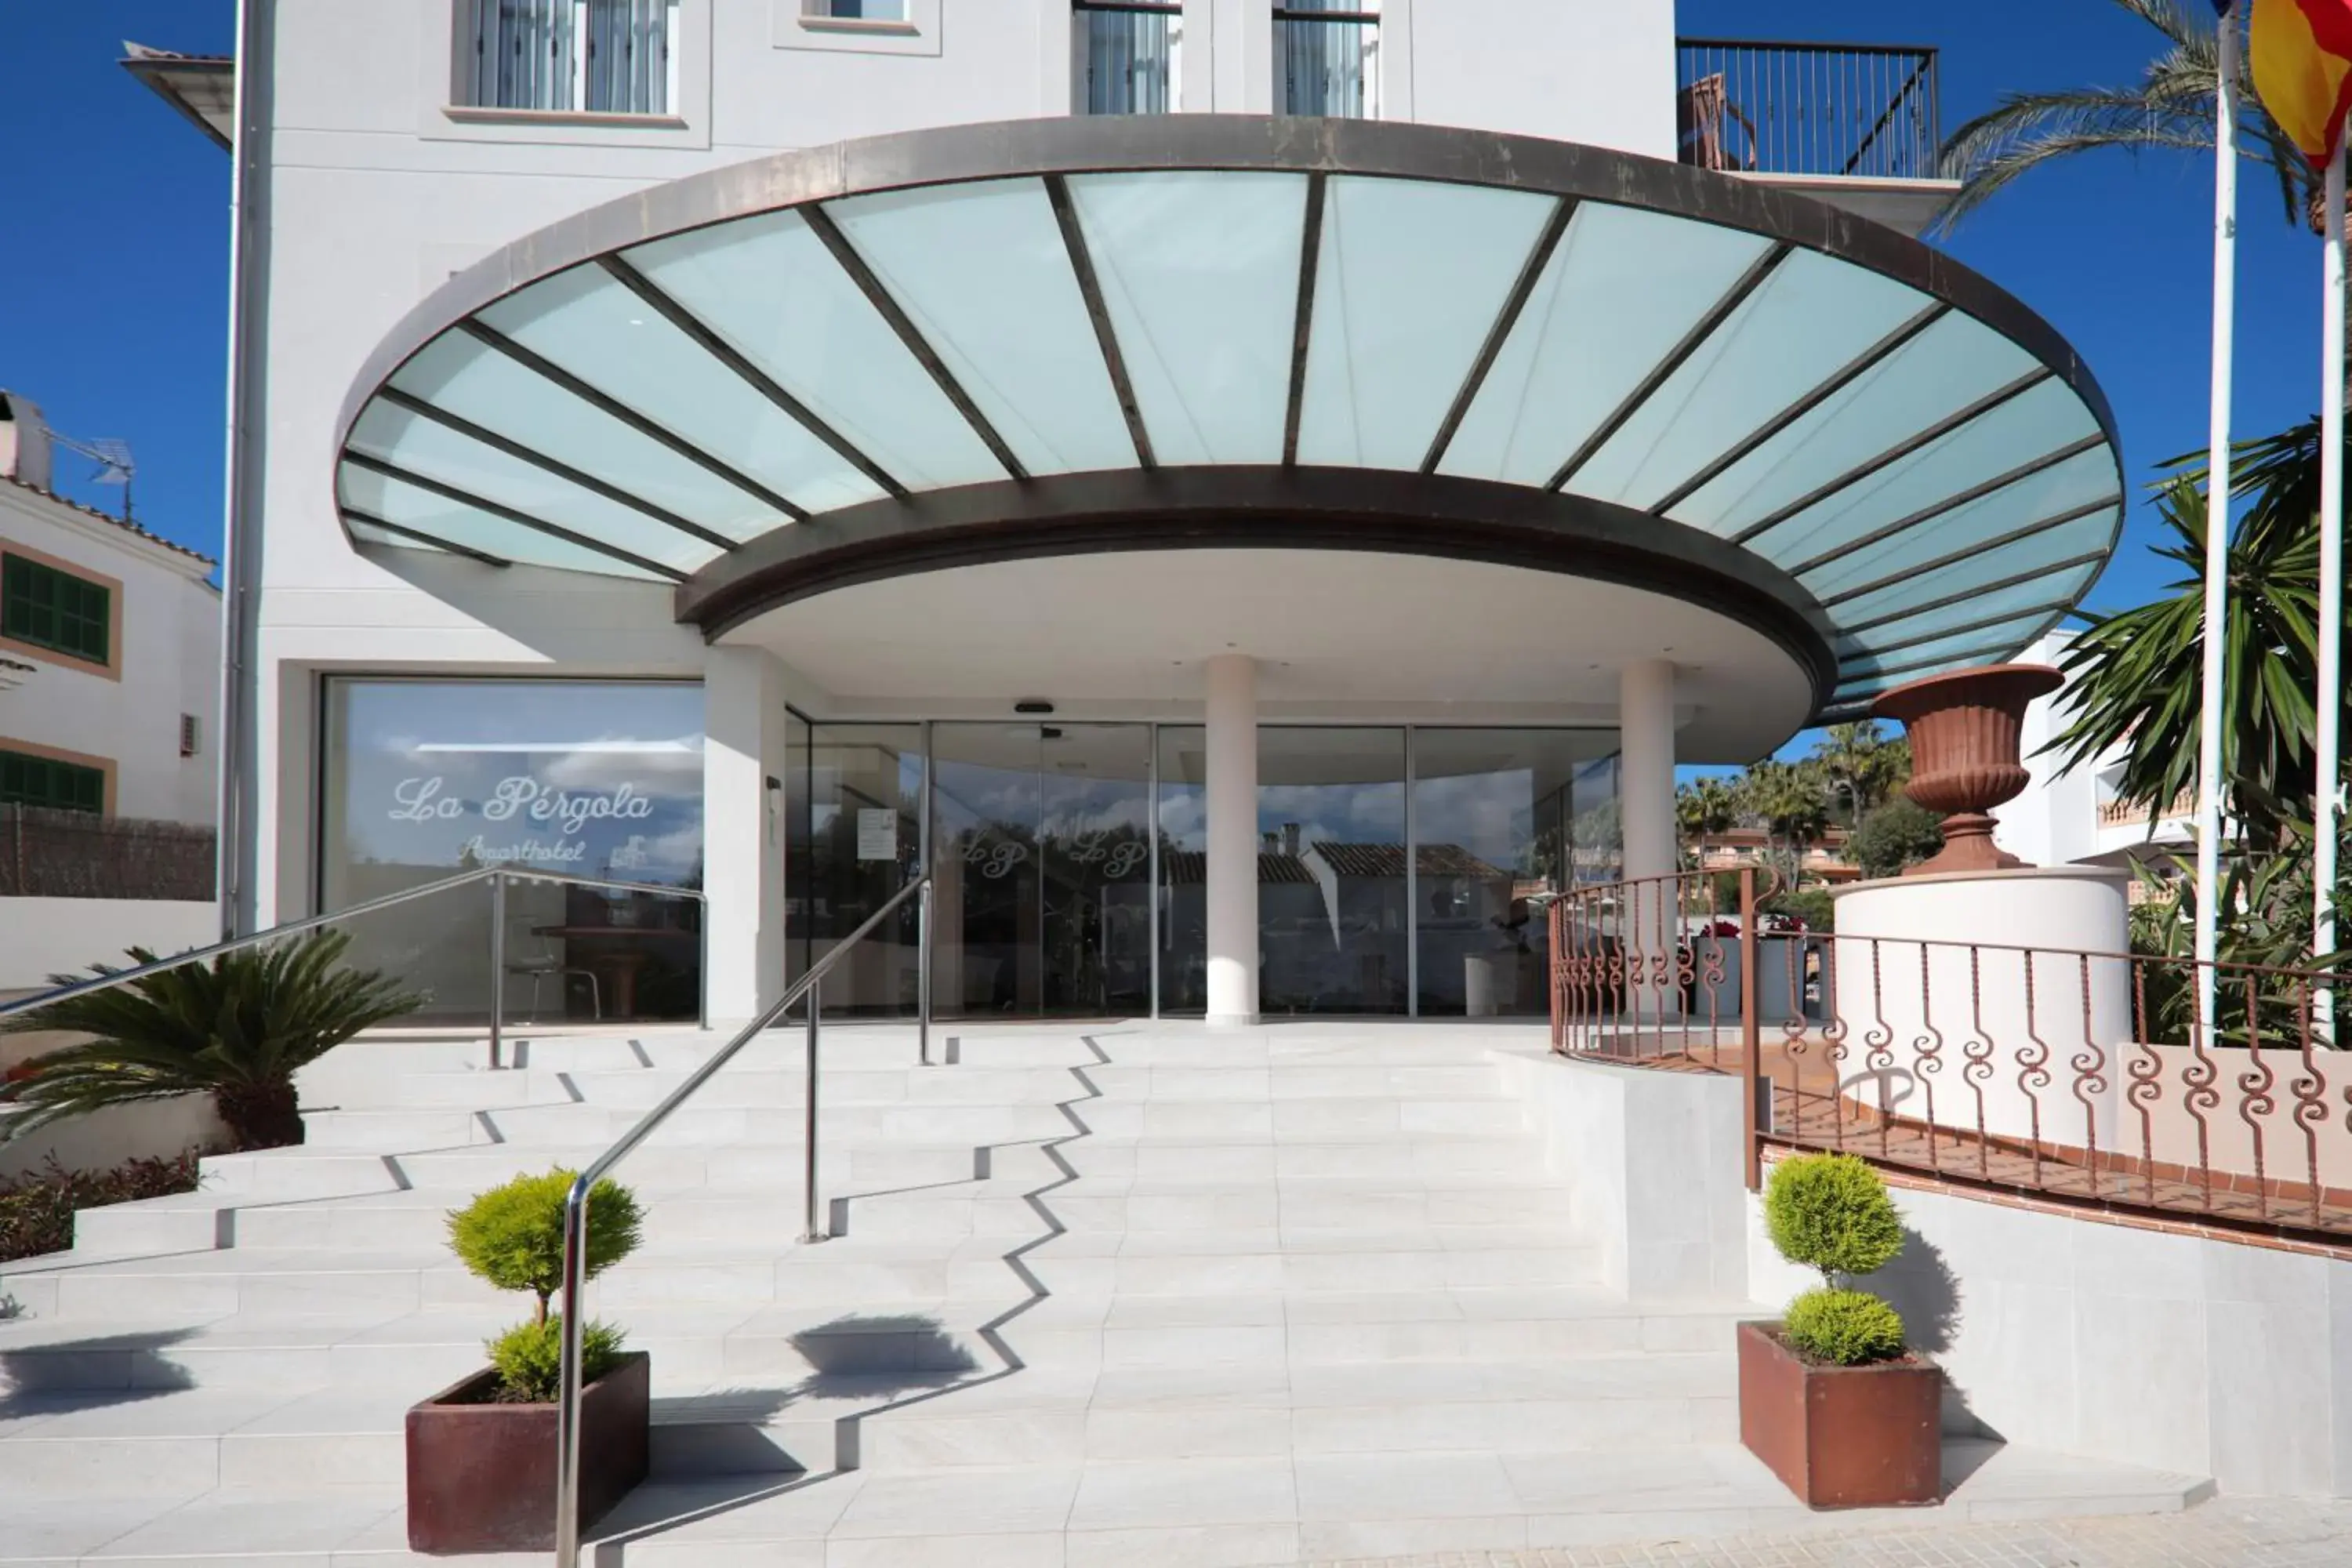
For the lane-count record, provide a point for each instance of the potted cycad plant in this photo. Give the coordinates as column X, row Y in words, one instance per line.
column 1830, row 1397
column 481, row 1453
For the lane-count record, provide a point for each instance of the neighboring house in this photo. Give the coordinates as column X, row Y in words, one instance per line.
column 1460, row 414
column 1823, row 860
column 2072, row 815
column 110, row 651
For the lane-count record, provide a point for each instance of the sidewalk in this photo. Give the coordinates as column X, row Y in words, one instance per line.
column 2243, row 1532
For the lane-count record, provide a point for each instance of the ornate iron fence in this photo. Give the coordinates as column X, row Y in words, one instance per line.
column 2078, row 1075
column 1847, row 111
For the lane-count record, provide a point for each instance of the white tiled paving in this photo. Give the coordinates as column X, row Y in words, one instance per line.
column 1128, row 1295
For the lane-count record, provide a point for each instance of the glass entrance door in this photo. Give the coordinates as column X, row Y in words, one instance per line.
column 1042, row 853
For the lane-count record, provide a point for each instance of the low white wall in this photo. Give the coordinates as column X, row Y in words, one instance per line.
column 151, row 1130
column 2148, row 1347
column 41, row 937
column 1652, row 1160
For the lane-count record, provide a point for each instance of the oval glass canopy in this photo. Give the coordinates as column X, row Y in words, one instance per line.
column 1918, row 452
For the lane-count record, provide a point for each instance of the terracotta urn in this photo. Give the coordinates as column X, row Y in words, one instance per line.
column 1965, row 759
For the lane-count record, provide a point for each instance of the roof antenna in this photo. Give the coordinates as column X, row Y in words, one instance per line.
column 112, row 456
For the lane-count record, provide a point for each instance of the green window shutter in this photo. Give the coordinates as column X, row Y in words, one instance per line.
column 48, row 609
column 44, row 781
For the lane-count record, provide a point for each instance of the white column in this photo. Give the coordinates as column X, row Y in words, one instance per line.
column 1233, row 839
column 742, row 831
column 1645, row 698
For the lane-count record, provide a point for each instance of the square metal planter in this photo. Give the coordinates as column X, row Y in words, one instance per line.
column 1841, row 1437
column 481, row 1476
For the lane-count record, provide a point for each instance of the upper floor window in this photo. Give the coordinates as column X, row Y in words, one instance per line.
column 47, row 781
column 44, row 607
column 1327, row 56
column 1127, row 55
column 596, row 57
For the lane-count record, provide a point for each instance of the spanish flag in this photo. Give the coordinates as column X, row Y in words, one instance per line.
column 2301, row 55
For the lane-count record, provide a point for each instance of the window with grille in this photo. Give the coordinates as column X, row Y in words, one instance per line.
column 1127, row 55
column 46, row 608
column 1327, row 57
column 45, row 781
column 596, row 57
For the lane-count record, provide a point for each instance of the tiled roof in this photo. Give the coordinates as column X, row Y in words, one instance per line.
column 1190, row 869
column 110, row 519
column 1387, row 860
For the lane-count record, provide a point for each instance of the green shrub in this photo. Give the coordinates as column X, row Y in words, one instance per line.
column 529, row 1358
column 37, row 1210
column 512, row 1235
column 1814, row 906
column 1831, row 1211
column 1899, row 834
column 1844, row 1328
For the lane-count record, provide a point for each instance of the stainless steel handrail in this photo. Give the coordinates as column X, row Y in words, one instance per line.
column 496, row 875
column 575, row 1203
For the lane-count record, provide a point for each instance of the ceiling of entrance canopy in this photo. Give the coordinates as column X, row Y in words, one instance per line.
column 646, row 389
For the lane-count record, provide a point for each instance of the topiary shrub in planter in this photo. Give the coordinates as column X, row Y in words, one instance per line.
column 481, row 1453
column 1830, row 1397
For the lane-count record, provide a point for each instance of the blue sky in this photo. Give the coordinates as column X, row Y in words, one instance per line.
column 114, row 267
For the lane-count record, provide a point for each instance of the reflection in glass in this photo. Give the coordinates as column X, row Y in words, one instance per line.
column 1495, row 815
column 1042, row 901
column 857, row 791
column 597, row 779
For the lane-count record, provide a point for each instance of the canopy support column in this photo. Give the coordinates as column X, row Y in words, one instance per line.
column 1232, row 933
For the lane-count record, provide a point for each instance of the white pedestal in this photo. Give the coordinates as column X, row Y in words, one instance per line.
column 1979, row 1001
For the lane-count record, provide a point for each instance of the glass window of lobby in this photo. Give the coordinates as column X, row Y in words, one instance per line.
column 594, row 56
column 592, row 779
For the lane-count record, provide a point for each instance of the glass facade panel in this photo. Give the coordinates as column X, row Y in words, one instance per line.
column 855, row 794
column 422, row 779
column 1042, row 856
column 1495, row 819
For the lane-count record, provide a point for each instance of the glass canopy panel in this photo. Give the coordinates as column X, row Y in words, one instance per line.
column 399, row 502
column 2034, row 592
column 1856, row 662
column 1409, row 281
column 1622, row 290
column 983, row 271
column 1200, row 274
column 371, row 534
column 470, row 379
column 2046, row 549
column 2032, row 424
column 2078, row 481
column 434, row 451
column 1951, row 364
column 1811, row 316
column 768, row 286
column 587, row 322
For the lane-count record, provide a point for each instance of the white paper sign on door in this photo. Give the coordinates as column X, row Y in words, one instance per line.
column 877, row 835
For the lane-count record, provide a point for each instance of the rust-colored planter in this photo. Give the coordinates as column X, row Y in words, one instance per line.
column 1841, row 1437
column 481, row 1477
column 1963, row 728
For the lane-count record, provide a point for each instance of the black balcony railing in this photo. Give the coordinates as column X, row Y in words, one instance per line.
column 1837, row 110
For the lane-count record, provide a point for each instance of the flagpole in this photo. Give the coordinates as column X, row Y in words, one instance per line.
column 2329, row 697
column 2217, row 522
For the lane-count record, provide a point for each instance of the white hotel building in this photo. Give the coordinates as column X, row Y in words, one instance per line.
column 1252, row 494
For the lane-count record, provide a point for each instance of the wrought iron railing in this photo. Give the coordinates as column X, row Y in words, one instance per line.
column 1843, row 110
column 2077, row 1075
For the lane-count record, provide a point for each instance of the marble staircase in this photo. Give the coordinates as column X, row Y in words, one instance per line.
column 1129, row 1292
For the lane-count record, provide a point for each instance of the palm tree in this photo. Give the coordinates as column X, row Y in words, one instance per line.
column 1861, row 764
column 2139, row 682
column 1704, row 808
column 1791, row 800
column 238, row 1028
column 2170, row 107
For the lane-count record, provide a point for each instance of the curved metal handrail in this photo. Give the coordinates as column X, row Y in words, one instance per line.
column 575, row 1203
column 497, row 877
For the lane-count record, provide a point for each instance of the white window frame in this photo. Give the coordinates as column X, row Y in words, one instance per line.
column 448, row 84
column 809, row 25
column 473, row 91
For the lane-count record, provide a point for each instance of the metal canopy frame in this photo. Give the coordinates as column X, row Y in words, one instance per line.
column 809, row 548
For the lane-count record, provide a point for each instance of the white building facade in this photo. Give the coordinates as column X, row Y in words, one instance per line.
column 1240, row 492
column 2072, row 815
column 110, row 651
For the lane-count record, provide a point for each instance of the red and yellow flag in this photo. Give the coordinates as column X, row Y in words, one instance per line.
column 2301, row 55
